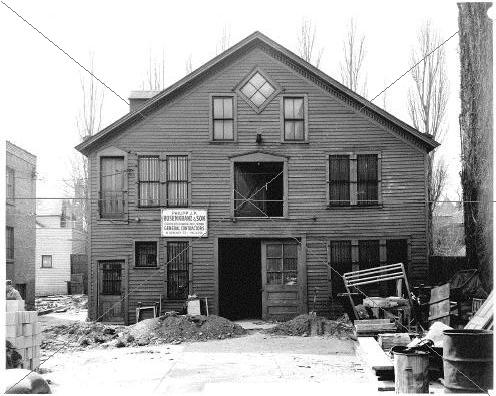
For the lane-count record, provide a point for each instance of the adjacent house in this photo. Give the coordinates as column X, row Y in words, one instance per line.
column 20, row 233
column 59, row 236
column 243, row 183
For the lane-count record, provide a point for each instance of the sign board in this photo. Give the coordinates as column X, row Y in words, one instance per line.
column 184, row 223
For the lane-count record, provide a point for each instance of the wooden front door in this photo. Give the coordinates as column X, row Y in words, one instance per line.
column 282, row 280
column 110, row 304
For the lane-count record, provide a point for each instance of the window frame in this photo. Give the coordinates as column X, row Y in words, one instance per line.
column 354, row 179
column 166, row 242
column 212, row 96
column 9, row 229
column 112, row 152
column 271, row 81
column 303, row 96
column 260, row 157
column 10, row 171
column 51, row 261
column 157, row 246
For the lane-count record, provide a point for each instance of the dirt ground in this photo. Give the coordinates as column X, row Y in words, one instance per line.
column 255, row 360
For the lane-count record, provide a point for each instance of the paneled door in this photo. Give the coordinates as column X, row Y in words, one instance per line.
column 110, row 304
column 282, row 280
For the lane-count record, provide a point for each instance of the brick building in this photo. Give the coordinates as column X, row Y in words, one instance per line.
column 20, row 231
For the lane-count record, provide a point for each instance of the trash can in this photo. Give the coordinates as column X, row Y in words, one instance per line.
column 411, row 370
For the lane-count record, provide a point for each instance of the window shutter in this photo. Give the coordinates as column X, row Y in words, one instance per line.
column 163, row 181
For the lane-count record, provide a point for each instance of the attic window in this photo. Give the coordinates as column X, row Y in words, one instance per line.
column 258, row 90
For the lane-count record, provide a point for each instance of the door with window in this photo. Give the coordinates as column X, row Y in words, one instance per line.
column 110, row 304
column 282, row 280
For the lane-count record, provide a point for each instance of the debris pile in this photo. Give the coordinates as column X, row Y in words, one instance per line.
column 79, row 335
column 175, row 328
column 49, row 304
column 311, row 325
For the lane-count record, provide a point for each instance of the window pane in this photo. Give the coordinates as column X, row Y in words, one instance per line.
column 367, row 176
column 290, row 264
column 112, row 173
column 266, row 90
column 290, row 278
column 298, row 108
column 228, row 107
column 274, row 278
column 248, row 90
column 290, row 251
column 339, row 180
column 218, row 108
column 146, row 254
column 257, row 80
column 288, row 108
column 258, row 99
column 299, row 131
column 289, row 130
column 274, row 250
column 228, row 130
column 218, row 130
column 274, row 264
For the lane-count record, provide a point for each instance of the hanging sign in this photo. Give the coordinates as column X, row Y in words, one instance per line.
column 184, row 223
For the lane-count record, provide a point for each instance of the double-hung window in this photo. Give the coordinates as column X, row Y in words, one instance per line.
column 9, row 242
column 10, row 189
column 145, row 254
column 354, row 179
column 223, row 118
column 294, row 119
column 163, row 181
column 46, row 261
column 149, row 180
column 112, row 196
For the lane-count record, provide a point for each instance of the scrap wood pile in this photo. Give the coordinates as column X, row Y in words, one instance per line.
column 49, row 304
column 312, row 325
column 169, row 328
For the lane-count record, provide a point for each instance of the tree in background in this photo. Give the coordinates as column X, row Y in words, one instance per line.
column 352, row 74
column 155, row 75
column 307, row 43
column 476, row 134
column 88, row 123
column 188, row 64
column 427, row 103
column 224, row 40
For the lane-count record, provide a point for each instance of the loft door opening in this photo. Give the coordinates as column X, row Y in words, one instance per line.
column 258, row 189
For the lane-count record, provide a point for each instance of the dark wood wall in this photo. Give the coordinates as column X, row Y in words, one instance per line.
column 183, row 126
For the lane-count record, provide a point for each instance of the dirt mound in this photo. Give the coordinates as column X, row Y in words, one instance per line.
column 311, row 325
column 175, row 328
column 79, row 335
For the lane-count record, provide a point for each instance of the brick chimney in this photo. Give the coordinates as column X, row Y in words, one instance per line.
column 138, row 98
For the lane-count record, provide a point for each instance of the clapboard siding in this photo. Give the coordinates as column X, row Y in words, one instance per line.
column 182, row 125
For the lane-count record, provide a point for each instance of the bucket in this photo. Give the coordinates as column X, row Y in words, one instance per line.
column 468, row 360
column 411, row 370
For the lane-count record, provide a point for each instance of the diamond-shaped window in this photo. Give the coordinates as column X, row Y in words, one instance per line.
column 257, row 89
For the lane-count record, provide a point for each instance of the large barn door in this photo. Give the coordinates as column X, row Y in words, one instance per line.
column 110, row 305
column 282, row 279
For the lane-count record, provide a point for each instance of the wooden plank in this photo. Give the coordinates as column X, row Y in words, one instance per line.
column 385, row 386
column 388, row 340
column 373, row 354
column 484, row 316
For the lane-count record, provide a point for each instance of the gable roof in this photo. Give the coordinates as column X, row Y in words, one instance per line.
column 257, row 38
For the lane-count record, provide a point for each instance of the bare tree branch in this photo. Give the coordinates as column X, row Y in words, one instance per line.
column 354, row 50
column 224, row 40
column 189, row 64
column 155, row 75
column 306, row 43
column 427, row 103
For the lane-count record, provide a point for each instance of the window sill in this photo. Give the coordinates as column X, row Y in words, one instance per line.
column 236, row 219
column 146, row 268
column 112, row 221
column 46, row 267
column 295, row 142
column 222, row 141
column 354, row 207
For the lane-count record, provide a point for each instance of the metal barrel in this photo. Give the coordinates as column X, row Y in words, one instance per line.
column 411, row 371
column 468, row 360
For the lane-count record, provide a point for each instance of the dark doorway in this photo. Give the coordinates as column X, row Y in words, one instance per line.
column 240, row 279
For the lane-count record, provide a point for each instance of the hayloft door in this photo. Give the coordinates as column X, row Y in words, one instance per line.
column 110, row 304
column 282, row 293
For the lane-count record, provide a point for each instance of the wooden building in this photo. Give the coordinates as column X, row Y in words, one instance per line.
column 293, row 170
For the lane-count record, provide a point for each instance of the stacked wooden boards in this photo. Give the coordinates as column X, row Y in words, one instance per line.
column 375, row 358
column 483, row 318
column 372, row 327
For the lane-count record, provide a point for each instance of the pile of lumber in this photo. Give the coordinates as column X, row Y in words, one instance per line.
column 388, row 340
column 372, row 327
column 24, row 333
column 375, row 358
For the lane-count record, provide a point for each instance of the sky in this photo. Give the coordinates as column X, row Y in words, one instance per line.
column 41, row 96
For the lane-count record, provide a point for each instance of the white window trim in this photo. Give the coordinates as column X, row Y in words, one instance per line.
column 305, row 121
column 211, row 117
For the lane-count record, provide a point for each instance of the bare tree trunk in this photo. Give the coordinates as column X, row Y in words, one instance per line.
column 476, row 134
column 224, row 40
column 354, row 55
column 306, row 43
column 427, row 103
column 188, row 64
column 155, row 75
